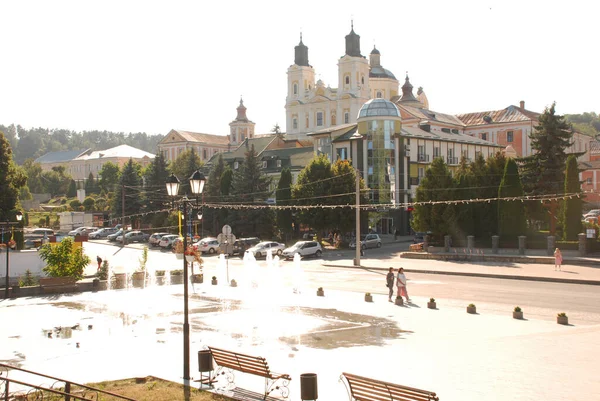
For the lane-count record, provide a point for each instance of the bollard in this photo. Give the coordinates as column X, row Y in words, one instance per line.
column 308, row 387
column 582, row 242
column 495, row 244
column 522, row 239
column 446, row 243
column 551, row 242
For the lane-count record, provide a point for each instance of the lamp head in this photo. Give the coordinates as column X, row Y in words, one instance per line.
column 19, row 216
column 197, row 181
column 172, row 185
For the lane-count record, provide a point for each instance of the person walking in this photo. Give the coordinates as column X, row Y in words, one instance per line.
column 401, row 283
column 557, row 259
column 390, row 283
column 99, row 260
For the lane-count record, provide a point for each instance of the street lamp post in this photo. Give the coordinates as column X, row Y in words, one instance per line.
column 196, row 181
column 19, row 216
column 355, row 137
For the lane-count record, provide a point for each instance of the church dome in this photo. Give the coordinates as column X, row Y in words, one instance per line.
column 380, row 72
column 378, row 108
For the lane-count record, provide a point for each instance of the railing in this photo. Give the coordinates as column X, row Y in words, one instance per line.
column 423, row 158
column 452, row 160
column 60, row 388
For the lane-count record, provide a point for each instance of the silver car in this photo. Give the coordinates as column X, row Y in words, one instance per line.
column 303, row 248
column 262, row 248
column 368, row 241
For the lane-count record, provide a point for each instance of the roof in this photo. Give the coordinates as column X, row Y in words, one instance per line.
column 260, row 144
column 299, row 157
column 202, row 138
column 594, row 147
column 415, row 132
column 60, row 157
column 589, row 165
column 380, row 72
column 335, row 129
column 121, row 151
column 378, row 108
column 430, row 115
column 510, row 114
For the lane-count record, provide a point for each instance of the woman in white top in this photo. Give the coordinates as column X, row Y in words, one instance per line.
column 401, row 283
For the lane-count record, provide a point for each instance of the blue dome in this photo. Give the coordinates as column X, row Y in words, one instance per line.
column 378, row 108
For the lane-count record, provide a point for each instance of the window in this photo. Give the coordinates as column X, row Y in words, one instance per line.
column 484, row 136
column 295, row 88
column 342, row 153
column 465, row 154
column 333, row 119
column 379, row 96
column 421, row 172
column 509, row 136
column 264, row 164
column 306, row 121
column 477, row 154
column 436, row 151
column 236, row 165
column 319, row 118
column 295, row 123
column 324, row 146
column 204, row 154
column 346, row 118
column 278, row 163
column 362, row 79
column 588, row 181
column 347, row 80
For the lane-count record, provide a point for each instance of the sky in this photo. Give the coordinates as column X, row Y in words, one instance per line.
column 152, row 66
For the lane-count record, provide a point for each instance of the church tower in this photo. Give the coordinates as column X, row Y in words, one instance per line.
column 301, row 80
column 353, row 79
column 240, row 128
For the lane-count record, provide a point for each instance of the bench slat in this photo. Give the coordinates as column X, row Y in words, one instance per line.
column 365, row 389
column 244, row 363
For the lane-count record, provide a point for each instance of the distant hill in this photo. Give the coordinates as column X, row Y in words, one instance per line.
column 36, row 142
column 586, row 123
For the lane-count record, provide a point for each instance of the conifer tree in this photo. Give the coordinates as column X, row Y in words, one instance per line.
column 572, row 209
column 511, row 214
column 130, row 182
column 72, row 191
column 283, row 196
column 212, row 194
column 156, row 175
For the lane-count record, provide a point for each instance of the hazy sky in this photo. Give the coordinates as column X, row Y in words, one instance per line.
column 149, row 66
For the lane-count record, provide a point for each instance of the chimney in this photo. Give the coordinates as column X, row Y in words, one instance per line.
column 522, row 104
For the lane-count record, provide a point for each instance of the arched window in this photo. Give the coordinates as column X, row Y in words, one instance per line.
column 346, row 118
column 333, row 119
column 295, row 88
column 347, row 80
column 295, row 123
column 362, row 80
column 379, row 95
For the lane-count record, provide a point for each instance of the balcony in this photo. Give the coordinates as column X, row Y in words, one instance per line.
column 452, row 160
column 423, row 158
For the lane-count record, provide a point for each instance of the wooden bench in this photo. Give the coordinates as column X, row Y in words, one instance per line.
column 416, row 247
column 228, row 361
column 365, row 389
column 53, row 285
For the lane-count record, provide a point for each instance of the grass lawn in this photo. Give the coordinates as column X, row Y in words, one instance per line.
column 151, row 389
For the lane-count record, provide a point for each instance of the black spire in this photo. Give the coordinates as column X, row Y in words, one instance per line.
column 353, row 43
column 301, row 54
column 407, row 92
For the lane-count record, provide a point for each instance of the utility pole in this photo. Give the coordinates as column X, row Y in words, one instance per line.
column 358, row 243
column 123, row 212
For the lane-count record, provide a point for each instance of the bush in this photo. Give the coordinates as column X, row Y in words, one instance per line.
column 27, row 280
column 75, row 204
column 103, row 272
column 431, row 299
column 562, row 314
column 64, row 260
column 518, row 309
column 471, row 305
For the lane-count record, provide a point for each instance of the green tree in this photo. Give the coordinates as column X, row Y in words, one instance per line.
column 109, row 176
column 184, row 166
column 56, row 181
column 72, row 191
column 89, row 203
column 490, row 182
column 213, row 194
column 542, row 173
column 156, row 175
column 251, row 187
column 130, row 182
column 436, row 186
column 34, row 176
column 511, row 214
column 283, row 196
column 64, row 259
column 11, row 181
column 572, row 210
column 90, row 185
column 464, row 212
column 343, row 192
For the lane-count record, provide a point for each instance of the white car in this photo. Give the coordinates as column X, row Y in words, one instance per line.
column 155, row 238
column 102, row 233
column 166, row 241
column 207, row 245
column 81, row 231
column 368, row 241
column 262, row 248
column 303, row 248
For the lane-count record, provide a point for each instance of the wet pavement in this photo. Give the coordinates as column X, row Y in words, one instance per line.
column 125, row 333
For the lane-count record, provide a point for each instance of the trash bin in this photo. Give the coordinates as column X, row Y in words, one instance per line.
column 308, row 386
column 205, row 361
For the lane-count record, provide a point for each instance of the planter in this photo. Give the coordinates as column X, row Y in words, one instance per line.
column 368, row 298
column 177, row 279
column 213, row 281
column 137, row 279
column 189, row 258
column 197, row 278
column 471, row 309
column 562, row 320
column 233, row 283
column 179, row 256
column 399, row 301
column 518, row 315
column 119, row 281
column 320, row 293
column 431, row 305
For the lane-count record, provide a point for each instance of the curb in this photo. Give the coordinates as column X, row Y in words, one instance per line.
column 482, row 275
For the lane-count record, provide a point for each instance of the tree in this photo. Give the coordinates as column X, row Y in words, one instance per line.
column 56, row 181
column 436, row 186
column 89, row 203
column 34, row 176
column 64, row 259
column 184, row 166
column 511, row 214
column 156, row 175
column 251, row 187
column 130, row 182
column 542, row 173
column 343, row 192
column 276, row 129
column 11, row 181
column 572, row 210
column 72, row 191
column 90, row 185
column 212, row 194
column 283, row 196
column 109, row 176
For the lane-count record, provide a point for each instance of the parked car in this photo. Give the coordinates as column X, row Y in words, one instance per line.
column 134, row 236
column 419, row 237
column 592, row 213
column 303, row 248
column 166, row 241
column 155, row 238
column 81, row 231
column 43, row 231
column 240, row 245
column 368, row 241
column 207, row 245
column 102, row 233
column 262, row 248
column 113, row 237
